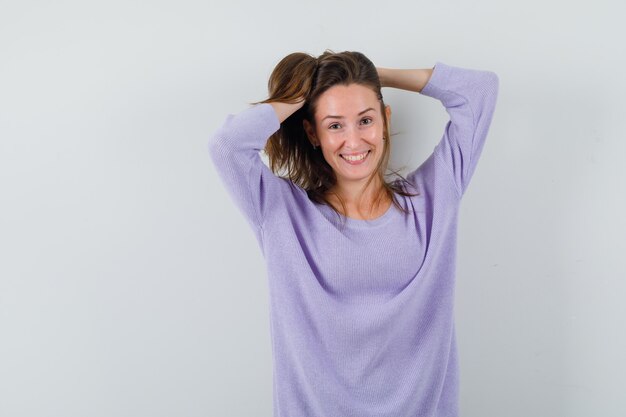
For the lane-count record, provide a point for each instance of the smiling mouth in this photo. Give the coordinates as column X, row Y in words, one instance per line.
column 356, row 158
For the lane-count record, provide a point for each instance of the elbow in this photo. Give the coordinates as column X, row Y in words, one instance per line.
column 492, row 83
column 487, row 96
column 213, row 145
column 489, row 86
column 221, row 138
column 217, row 144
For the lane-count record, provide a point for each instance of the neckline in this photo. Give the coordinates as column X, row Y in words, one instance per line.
column 358, row 223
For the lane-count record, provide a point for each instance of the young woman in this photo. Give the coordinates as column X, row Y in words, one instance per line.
column 361, row 269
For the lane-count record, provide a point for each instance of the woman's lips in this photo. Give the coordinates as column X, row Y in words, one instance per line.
column 358, row 161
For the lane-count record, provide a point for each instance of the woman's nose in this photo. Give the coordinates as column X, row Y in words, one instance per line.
column 353, row 138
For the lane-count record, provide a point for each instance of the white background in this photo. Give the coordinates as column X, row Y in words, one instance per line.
column 131, row 286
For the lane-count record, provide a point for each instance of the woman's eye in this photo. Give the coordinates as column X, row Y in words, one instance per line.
column 367, row 121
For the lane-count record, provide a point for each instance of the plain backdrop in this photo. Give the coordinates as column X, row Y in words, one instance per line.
column 130, row 285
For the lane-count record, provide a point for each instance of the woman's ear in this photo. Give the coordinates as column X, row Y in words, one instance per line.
column 310, row 132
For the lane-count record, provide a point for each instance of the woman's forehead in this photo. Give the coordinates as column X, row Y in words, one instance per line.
column 346, row 101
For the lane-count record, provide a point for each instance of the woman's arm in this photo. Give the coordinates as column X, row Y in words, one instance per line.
column 284, row 110
column 234, row 149
column 469, row 96
column 405, row 79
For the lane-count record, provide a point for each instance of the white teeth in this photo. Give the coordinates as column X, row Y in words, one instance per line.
column 355, row 157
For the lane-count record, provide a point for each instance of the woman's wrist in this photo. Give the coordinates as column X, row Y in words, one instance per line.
column 383, row 75
column 284, row 110
column 405, row 79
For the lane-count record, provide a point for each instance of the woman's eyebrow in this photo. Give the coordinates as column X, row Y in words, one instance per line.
column 341, row 117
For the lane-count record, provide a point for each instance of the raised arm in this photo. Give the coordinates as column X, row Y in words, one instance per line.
column 404, row 79
column 234, row 149
column 469, row 97
column 284, row 110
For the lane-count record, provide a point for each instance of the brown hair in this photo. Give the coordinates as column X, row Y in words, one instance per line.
column 301, row 75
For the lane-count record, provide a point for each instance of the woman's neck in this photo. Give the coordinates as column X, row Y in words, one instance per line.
column 374, row 201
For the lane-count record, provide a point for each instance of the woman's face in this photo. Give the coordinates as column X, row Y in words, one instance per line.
column 349, row 130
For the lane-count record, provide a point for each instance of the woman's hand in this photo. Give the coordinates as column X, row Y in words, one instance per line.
column 284, row 110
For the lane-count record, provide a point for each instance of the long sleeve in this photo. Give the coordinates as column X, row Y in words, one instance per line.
column 469, row 97
column 234, row 149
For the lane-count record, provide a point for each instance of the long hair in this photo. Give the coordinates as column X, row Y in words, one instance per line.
column 301, row 75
